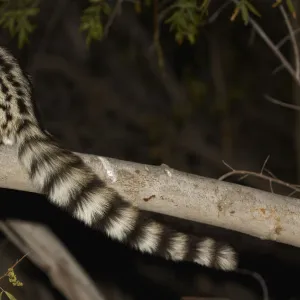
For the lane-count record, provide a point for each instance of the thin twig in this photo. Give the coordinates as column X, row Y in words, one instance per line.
column 227, row 165
column 165, row 12
column 14, row 265
column 259, row 175
column 271, row 187
column 259, row 278
column 286, row 38
column 243, row 177
column 270, row 173
column 52, row 22
column 280, row 44
column 216, row 14
column 268, row 41
column 252, row 37
column 262, row 176
column 277, row 69
column 273, row 47
column 116, row 10
column 293, row 41
column 156, row 35
column 281, row 103
column 292, row 193
column 264, row 165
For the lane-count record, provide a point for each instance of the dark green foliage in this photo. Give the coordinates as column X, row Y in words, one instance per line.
column 91, row 20
column 15, row 16
column 184, row 17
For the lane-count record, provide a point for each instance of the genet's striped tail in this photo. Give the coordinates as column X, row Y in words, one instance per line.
column 69, row 183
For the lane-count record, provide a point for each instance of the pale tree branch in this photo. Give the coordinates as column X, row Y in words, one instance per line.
column 48, row 253
column 247, row 210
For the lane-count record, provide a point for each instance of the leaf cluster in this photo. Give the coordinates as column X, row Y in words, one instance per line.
column 289, row 4
column 245, row 7
column 184, row 17
column 91, row 20
column 12, row 278
column 188, row 15
column 15, row 16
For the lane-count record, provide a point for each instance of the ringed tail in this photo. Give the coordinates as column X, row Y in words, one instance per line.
column 72, row 185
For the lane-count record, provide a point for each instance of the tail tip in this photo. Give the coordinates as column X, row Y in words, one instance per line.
column 216, row 255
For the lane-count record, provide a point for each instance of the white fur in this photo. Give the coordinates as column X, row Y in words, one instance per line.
column 46, row 169
column 94, row 206
column 120, row 227
column 226, row 258
column 63, row 191
column 33, row 150
column 31, row 131
column 205, row 251
column 8, row 141
column 149, row 242
column 177, row 248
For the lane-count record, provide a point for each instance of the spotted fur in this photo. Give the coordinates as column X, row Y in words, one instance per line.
column 72, row 185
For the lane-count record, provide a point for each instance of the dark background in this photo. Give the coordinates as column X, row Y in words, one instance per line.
column 208, row 105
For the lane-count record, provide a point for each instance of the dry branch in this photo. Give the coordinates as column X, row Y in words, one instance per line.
column 164, row 190
column 47, row 252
